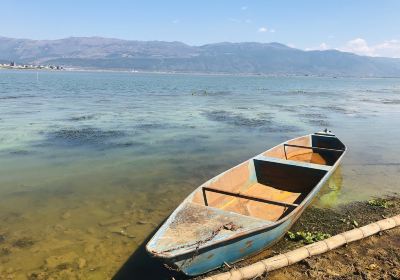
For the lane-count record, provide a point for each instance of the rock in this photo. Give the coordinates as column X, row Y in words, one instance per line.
column 90, row 248
column 38, row 276
column 66, row 215
column 91, row 230
column 331, row 272
column 10, row 270
column 117, row 230
column 111, row 221
column 372, row 266
column 59, row 227
column 5, row 251
column 23, row 242
column 62, row 260
column 81, row 263
column 69, row 274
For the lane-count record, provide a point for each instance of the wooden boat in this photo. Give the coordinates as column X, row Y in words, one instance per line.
column 248, row 207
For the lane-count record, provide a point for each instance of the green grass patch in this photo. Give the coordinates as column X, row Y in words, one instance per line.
column 381, row 203
column 307, row 237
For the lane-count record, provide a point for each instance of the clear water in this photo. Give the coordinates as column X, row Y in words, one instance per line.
column 90, row 163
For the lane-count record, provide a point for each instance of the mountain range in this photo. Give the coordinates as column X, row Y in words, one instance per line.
column 243, row 58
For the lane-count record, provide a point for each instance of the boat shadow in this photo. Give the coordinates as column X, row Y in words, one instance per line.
column 140, row 265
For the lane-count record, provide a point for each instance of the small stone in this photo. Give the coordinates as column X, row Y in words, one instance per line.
column 110, row 221
column 66, row 215
column 38, row 276
column 90, row 248
column 59, row 227
column 81, row 263
column 62, row 260
column 118, row 230
column 372, row 266
column 91, row 230
column 331, row 272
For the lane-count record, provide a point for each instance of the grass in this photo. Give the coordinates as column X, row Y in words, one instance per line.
column 307, row 237
column 381, row 203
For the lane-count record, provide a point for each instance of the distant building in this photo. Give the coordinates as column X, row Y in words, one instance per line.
column 12, row 63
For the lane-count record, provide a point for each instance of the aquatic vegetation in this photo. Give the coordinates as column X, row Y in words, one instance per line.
column 83, row 136
column 23, row 242
column 307, row 237
column 280, row 128
column 236, row 119
column 381, row 203
column 20, row 152
column 82, row 118
column 150, row 126
column 319, row 123
column 205, row 92
column 391, row 101
column 315, row 119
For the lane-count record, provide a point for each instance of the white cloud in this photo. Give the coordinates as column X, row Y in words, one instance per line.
column 262, row 29
column 358, row 46
column 244, row 8
column 175, row 21
column 272, row 31
column 248, row 20
column 389, row 48
column 323, row 46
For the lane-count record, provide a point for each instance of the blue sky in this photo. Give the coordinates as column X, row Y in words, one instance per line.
column 362, row 26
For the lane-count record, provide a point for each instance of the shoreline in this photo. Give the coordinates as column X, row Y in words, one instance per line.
column 360, row 257
column 216, row 74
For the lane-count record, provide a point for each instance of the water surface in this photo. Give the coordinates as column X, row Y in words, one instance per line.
column 91, row 163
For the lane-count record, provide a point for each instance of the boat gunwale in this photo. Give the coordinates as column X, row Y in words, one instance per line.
column 252, row 231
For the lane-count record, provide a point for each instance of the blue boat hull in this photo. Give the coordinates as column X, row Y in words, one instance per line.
column 227, row 244
column 230, row 252
column 236, row 250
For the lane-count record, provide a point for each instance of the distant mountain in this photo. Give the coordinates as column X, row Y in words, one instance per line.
column 252, row 58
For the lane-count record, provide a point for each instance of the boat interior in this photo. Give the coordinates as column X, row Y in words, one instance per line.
column 273, row 184
column 267, row 187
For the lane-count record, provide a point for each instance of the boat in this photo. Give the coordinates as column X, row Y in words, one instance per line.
column 247, row 208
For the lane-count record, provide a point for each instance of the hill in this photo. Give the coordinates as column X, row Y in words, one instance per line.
column 252, row 58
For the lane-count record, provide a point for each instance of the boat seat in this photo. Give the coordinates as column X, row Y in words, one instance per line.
column 265, row 211
column 293, row 162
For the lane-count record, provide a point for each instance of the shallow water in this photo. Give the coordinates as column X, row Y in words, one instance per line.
column 91, row 163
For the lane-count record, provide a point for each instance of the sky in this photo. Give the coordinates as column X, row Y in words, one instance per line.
column 366, row 27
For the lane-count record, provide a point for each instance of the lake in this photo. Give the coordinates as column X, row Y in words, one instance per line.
column 92, row 162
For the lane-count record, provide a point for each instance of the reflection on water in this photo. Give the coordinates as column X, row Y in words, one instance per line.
column 330, row 193
column 91, row 163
